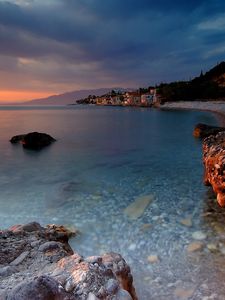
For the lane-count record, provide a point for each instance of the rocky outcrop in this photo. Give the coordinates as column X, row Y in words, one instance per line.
column 33, row 140
column 203, row 130
column 214, row 163
column 37, row 263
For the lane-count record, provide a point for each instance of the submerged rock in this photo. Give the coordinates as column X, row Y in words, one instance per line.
column 37, row 263
column 33, row 140
column 137, row 208
column 202, row 130
column 214, row 163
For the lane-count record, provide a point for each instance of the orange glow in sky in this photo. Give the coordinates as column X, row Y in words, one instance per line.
column 20, row 96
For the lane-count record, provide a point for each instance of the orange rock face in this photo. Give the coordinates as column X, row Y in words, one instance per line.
column 214, row 163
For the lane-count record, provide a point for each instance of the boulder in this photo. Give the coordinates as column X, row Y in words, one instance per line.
column 203, row 130
column 214, row 163
column 38, row 263
column 33, row 140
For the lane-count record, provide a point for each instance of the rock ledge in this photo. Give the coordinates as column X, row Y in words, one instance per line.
column 37, row 263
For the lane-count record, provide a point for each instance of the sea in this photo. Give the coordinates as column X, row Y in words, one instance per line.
column 104, row 159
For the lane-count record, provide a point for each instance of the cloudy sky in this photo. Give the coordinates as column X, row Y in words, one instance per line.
column 52, row 46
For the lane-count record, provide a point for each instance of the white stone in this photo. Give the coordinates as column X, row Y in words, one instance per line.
column 132, row 247
column 199, row 235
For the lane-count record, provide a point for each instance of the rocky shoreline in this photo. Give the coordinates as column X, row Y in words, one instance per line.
column 38, row 263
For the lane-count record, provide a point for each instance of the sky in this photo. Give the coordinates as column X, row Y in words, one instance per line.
column 53, row 46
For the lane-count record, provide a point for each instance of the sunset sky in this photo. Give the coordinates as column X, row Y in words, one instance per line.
column 52, row 46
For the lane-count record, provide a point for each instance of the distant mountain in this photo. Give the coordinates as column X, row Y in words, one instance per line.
column 67, row 98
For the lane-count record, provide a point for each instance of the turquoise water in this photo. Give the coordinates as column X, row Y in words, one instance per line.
column 104, row 158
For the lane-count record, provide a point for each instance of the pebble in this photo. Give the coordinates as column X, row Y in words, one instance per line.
column 153, row 259
column 222, row 250
column 183, row 293
column 199, row 235
column 137, row 208
column 212, row 247
column 186, row 222
column 195, row 246
column 132, row 247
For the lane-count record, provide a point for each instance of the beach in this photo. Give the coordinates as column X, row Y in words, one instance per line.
column 214, row 106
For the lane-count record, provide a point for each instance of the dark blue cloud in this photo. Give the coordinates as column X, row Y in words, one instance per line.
column 126, row 41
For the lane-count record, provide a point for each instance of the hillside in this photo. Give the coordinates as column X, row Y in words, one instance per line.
column 210, row 85
column 67, row 98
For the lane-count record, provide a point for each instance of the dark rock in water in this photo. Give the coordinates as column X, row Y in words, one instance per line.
column 214, row 163
column 45, row 268
column 17, row 138
column 203, row 130
column 33, row 140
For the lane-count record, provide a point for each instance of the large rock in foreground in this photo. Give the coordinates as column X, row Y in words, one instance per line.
column 33, row 140
column 37, row 263
column 214, row 162
column 202, row 130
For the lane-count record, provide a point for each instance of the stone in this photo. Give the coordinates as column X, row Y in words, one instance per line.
column 186, row 222
column 214, row 165
column 48, row 246
column 202, row 130
column 152, row 259
column 51, row 270
column 41, row 288
column 7, row 271
column 212, row 247
column 17, row 138
column 123, row 295
column 199, row 235
column 33, row 140
column 20, row 258
column 183, row 293
column 136, row 209
column 132, row 247
column 195, row 246
column 112, row 286
column 91, row 296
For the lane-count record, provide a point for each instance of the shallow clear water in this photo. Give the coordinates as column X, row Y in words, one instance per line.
column 105, row 158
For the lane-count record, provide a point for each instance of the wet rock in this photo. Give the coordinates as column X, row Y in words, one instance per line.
column 212, row 247
column 42, row 288
column 199, row 235
column 20, row 258
column 214, row 164
column 17, row 138
column 33, row 140
column 7, row 271
column 195, row 246
column 123, row 295
column 137, row 208
column 152, row 259
column 49, row 246
column 186, row 222
column 50, row 270
column 183, row 293
column 202, row 130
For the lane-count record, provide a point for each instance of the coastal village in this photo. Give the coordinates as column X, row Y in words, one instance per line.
column 141, row 97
